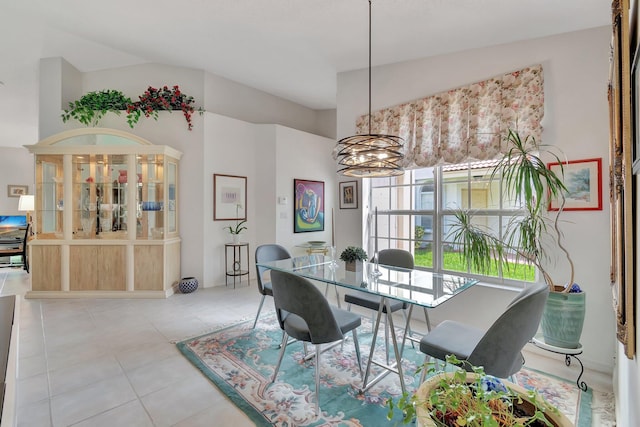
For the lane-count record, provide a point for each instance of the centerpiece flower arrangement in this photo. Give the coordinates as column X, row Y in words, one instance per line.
column 351, row 255
column 93, row 106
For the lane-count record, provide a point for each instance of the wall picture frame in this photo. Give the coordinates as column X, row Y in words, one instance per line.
column 229, row 197
column 348, row 193
column 583, row 179
column 622, row 202
column 17, row 190
column 308, row 206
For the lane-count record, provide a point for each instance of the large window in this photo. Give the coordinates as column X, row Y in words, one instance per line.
column 415, row 213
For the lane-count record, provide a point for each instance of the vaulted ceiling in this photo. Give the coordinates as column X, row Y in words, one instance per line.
column 289, row 48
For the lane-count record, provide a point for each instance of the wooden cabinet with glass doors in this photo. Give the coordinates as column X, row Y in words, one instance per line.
column 106, row 216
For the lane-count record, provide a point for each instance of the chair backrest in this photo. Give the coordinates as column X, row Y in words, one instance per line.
column 396, row 258
column 499, row 350
column 297, row 295
column 266, row 253
column 19, row 248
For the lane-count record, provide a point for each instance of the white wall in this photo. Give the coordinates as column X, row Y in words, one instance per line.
column 229, row 151
column 226, row 97
column 270, row 156
column 303, row 156
column 16, row 168
column 576, row 67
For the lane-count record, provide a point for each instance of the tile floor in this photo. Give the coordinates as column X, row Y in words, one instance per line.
column 92, row 362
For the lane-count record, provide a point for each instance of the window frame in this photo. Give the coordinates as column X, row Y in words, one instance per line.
column 438, row 213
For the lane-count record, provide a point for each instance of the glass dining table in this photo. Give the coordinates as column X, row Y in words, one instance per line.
column 416, row 287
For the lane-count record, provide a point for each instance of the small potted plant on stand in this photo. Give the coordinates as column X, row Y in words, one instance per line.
column 238, row 228
column 353, row 256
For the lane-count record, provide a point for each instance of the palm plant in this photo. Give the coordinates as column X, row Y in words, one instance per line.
column 526, row 180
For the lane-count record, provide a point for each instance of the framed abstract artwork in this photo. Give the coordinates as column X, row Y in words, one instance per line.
column 229, row 197
column 583, row 179
column 308, row 207
column 348, row 193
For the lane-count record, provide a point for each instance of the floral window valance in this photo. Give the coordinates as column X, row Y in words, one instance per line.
column 465, row 123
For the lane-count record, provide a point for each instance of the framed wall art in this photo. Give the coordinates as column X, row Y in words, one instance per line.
column 348, row 193
column 583, row 179
column 308, row 207
column 17, row 190
column 229, row 197
column 621, row 185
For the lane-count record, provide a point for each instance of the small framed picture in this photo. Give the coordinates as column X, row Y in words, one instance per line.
column 348, row 192
column 229, row 197
column 583, row 179
column 17, row 190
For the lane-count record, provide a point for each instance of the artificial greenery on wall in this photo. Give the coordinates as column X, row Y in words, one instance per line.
column 93, row 106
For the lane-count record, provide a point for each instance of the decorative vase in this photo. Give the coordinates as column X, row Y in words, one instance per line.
column 235, row 238
column 563, row 319
column 353, row 265
column 87, row 225
column 188, row 285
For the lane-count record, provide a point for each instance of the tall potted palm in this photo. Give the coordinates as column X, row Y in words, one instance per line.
column 529, row 237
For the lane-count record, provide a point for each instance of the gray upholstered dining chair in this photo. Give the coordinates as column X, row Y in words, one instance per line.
column 499, row 349
column 266, row 253
column 388, row 257
column 306, row 315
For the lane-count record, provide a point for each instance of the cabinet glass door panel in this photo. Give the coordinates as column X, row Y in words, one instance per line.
column 49, row 200
column 172, row 223
column 99, row 187
column 150, row 170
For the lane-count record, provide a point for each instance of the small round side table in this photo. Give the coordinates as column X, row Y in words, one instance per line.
column 239, row 265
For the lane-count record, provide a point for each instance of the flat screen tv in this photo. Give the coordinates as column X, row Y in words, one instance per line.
column 13, row 221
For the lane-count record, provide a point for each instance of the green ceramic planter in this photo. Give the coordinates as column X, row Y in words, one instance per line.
column 563, row 318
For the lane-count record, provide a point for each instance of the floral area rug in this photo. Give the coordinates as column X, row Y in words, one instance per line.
column 240, row 362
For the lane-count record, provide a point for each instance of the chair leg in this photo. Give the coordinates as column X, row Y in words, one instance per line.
column 258, row 313
column 423, row 374
column 357, row 346
column 318, row 352
column 283, row 347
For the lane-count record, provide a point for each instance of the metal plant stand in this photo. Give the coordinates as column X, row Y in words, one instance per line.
column 568, row 354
